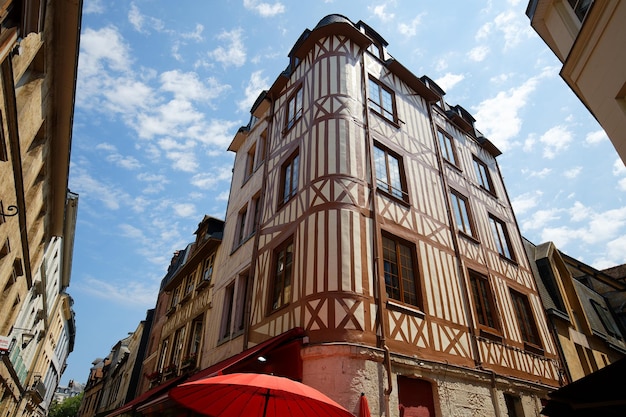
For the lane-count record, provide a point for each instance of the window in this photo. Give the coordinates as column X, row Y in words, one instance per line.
column 382, row 100
column 482, row 173
column 415, row 397
column 390, row 173
column 207, row 269
column 227, row 313
column 501, row 236
column 283, row 271
column 446, row 144
column 175, row 296
column 525, row 318
column 177, row 347
column 289, row 178
column 241, row 226
column 196, row 338
column 256, row 204
column 262, row 147
column 294, row 108
column 607, row 320
column 250, row 162
column 400, row 271
column 241, row 302
column 483, row 300
column 460, row 205
column 374, row 49
column 189, row 284
column 513, row 405
column 581, row 7
column 163, row 357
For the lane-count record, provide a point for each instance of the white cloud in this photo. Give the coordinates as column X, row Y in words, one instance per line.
column 619, row 168
column 529, row 143
column 235, row 51
column 556, row 139
column 90, row 188
column 209, row 180
column 614, row 254
column 410, row 29
column 522, row 203
column 223, row 196
column 103, row 48
column 135, row 18
column 539, row 219
column 379, row 11
column 579, row 212
column 449, row 80
column 478, row 53
column 187, row 86
column 256, row 84
column 537, row 174
column 184, row 209
column 599, row 227
column 573, row 172
column 196, row 34
column 514, row 26
column 141, row 22
column 264, row 9
column 596, row 137
column 93, row 7
column 484, row 31
column 498, row 117
column 127, row 293
column 219, row 133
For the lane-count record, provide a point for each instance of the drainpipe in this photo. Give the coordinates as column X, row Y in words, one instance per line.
column 494, row 395
column 380, row 289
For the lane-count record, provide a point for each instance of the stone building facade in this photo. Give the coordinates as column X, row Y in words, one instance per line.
column 38, row 60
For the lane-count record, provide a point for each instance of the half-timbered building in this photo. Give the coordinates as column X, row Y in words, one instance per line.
column 368, row 212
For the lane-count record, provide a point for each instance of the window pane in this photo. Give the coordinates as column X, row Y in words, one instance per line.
column 400, row 282
column 392, row 283
column 408, row 280
column 394, row 176
column 282, row 280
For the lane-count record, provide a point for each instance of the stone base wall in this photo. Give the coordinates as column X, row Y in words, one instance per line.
column 344, row 371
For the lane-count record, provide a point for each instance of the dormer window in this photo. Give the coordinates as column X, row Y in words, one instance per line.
column 375, row 50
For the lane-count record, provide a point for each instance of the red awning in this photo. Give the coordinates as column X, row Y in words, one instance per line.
column 159, row 393
column 268, row 345
column 146, row 396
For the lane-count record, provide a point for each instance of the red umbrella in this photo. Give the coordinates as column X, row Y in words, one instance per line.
column 253, row 395
column 364, row 408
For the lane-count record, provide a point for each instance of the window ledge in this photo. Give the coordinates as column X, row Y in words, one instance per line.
column 203, row 283
column 529, row 347
column 490, row 334
column 405, row 308
column 468, row 237
column 509, row 260
column 394, row 123
column 452, row 165
column 393, row 197
column 487, row 191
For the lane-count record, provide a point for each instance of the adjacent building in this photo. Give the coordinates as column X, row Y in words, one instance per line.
column 38, row 60
column 113, row 381
column 587, row 37
column 587, row 333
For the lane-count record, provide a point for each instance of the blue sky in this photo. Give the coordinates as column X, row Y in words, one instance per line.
column 163, row 86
